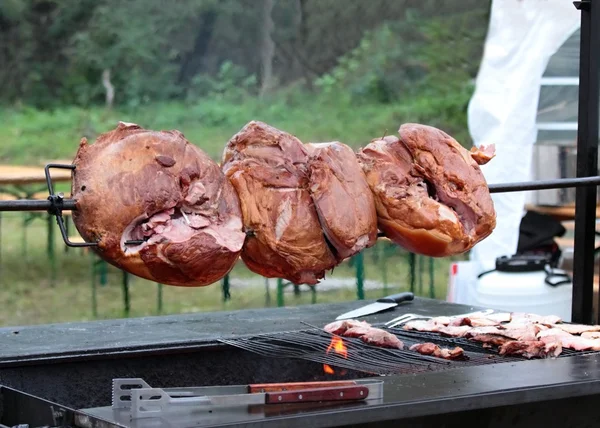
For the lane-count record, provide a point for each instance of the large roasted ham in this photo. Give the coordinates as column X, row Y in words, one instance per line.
column 430, row 193
column 290, row 210
column 156, row 187
column 268, row 169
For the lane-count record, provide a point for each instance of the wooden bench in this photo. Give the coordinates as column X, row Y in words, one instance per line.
column 7, row 197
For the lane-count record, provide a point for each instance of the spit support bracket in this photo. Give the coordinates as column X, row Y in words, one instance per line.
column 582, row 4
column 57, row 205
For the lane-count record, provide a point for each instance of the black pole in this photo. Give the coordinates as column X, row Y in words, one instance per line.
column 587, row 163
column 559, row 183
column 34, row 205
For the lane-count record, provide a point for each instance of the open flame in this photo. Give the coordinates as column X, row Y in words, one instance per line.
column 337, row 345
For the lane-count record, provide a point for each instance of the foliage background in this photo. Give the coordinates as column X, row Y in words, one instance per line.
column 328, row 69
column 346, row 70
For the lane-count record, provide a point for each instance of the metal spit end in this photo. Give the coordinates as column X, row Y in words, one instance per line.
column 135, row 242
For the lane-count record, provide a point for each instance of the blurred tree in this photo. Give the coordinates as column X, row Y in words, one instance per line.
column 141, row 46
column 267, row 47
column 84, row 52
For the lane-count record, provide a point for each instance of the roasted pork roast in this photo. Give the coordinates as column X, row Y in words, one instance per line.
column 430, row 193
column 342, row 197
column 291, row 210
column 156, row 187
column 268, row 169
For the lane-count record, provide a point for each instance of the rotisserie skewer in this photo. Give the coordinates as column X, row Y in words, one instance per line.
column 154, row 205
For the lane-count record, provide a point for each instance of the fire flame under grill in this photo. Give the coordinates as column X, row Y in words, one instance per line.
column 337, row 345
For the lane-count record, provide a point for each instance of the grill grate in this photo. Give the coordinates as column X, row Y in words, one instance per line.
column 466, row 344
column 312, row 344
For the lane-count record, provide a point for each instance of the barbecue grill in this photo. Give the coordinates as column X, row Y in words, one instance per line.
column 64, row 375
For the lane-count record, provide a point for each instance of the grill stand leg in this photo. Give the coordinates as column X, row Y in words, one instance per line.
column 159, row 298
column 587, row 163
column 360, row 276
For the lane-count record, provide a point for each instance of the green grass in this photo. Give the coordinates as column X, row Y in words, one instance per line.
column 33, row 137
column 27, row 296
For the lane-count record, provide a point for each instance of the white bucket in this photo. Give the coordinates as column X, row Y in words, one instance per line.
column 524, row 284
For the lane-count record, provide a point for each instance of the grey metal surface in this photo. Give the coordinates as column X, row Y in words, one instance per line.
column 149, row 335
column 440, row 393
column 407, row 396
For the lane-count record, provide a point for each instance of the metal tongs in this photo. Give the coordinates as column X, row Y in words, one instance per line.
column 409, row 317
column 143, row 401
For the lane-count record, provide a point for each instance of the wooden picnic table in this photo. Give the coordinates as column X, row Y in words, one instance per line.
column 559, row 212
column 17, row 175
column 26, row 182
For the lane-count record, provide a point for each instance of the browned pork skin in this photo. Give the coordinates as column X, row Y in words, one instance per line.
column 268, row 169
column 137, row 184
column 430, row 194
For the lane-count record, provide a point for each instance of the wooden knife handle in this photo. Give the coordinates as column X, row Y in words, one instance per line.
column 343, row 393
column 293, row 386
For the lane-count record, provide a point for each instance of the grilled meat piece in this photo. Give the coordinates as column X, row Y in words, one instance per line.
column 489, row 339
column 524, row 318
column 340, row 327
column 531, row 349
column 156, row 187
column 430, row 325
column 591, row 334
column 474, row 321
column 268, row 169
column 433, row 326
column 375, row 336
column 523, row 332
column 567, row 340
column 342, row 197
column 429, row 348
column 483, row 154
column 480, row 322
column 382, row 338
column 357, row 331
column 578, row 329
column 430, row 193
column 499, row 317
column 454, row 331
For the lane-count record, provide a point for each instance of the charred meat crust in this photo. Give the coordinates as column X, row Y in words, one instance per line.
column 130, row 176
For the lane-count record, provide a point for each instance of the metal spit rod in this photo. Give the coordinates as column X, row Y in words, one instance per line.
column 56, row 203
column 70, row 204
